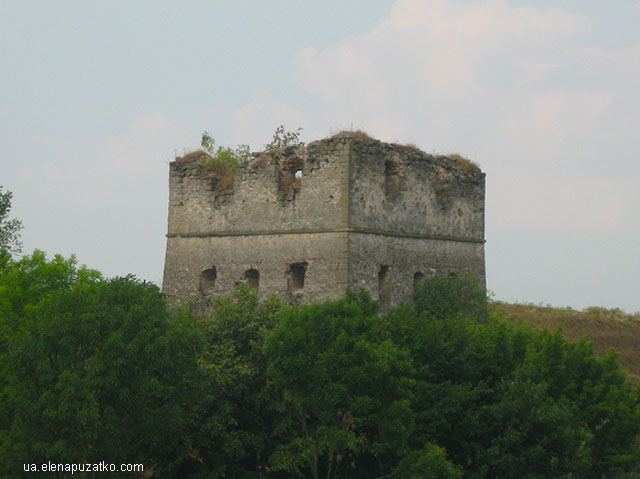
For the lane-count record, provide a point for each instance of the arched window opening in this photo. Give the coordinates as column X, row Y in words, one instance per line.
column 252, row 278
column 208, row 280
column 295, row 277
column 297, row 178
column 384, row 284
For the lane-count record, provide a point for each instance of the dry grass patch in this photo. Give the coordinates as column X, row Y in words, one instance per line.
column 359, row 135
column 225, row 181
column 191, row 156
column 261, row 160
column 464, row 164
column 606, row 328
column 414, row 147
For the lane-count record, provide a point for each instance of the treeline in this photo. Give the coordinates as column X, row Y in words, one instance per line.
column 95, row 369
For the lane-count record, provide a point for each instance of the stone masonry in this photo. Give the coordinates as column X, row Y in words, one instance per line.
column 309, row 223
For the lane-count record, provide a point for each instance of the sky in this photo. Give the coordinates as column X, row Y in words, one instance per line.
column 96, row 98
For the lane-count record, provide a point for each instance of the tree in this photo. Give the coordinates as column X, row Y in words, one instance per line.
column 334, row 390
column 448, row 295
column 233, row 424
column 505, row 401
column 92, row 369
column 343, row 392
column 9, row 228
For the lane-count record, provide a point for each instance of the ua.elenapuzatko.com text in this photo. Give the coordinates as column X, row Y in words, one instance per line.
column 82, row 467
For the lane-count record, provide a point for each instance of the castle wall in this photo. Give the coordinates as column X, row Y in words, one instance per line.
column 263, row 196
column 232, row 256
column 405, row 257
column 401, row 189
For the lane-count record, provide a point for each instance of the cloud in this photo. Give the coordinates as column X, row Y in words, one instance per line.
column 440, row 58
column 518, row 88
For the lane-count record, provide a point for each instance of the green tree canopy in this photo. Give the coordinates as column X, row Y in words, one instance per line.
column 9, row 228
column 92, row 369
column 344, row 391
column 95, row 369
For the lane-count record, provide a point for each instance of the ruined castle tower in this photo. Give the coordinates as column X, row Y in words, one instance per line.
column 308, row 223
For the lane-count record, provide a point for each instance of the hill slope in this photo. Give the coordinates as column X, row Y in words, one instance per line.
column 606, row 328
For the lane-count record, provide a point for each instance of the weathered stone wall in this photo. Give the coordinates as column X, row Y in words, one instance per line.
column 408, row 259
column 401, row 189
column 308, row 223
column 264, row 195
column 232, row 256
column 416, row 214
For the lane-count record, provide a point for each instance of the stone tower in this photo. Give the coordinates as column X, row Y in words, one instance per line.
column 308, row 223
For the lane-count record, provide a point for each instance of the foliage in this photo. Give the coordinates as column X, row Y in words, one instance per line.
column 343, row 391
column 444, row 296
column 92, row 369
column 233, row 425
column 223, row 158
column 283, row 138
column 430, row 462
column 607, row 328
column 508, row 402
column 9, row 228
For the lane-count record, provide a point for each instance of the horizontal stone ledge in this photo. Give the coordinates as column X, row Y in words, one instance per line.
column 396, row 234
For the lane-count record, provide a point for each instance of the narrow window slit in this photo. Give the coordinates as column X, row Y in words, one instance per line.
column 418, row 278
column 384, row 285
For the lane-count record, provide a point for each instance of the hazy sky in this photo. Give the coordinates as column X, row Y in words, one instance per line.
column 97, row 97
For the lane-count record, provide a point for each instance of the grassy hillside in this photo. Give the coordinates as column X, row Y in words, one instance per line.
column 606, row 328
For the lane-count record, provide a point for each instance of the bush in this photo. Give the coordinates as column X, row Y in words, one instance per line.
column 283, row 138
column 444, row 296
column 92, row 369
column 222, row 158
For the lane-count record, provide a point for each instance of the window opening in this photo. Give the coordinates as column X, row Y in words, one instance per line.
column 389, row 168
column 252, row 278
column 295, row 277
column 418, row 278
column 290, row 177
column 393, row 181
column 208, row 280
column 384, row 285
